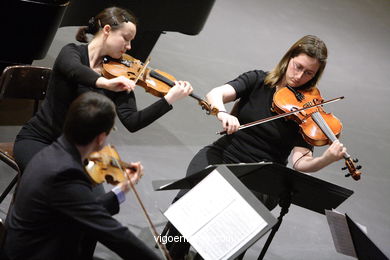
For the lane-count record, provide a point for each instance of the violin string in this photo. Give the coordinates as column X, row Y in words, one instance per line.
column 320, row 121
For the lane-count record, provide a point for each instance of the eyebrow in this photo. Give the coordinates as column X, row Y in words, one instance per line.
column 306, row 70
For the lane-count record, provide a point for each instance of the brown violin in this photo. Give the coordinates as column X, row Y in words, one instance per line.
column 106, row 165
column 318, row 128
column 155, row 82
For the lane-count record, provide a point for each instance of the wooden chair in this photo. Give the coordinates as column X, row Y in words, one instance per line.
column 21, row 82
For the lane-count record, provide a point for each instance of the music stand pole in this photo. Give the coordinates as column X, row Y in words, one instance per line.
column 284, row 203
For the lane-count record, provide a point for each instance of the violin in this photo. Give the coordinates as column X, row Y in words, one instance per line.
column 106, row 165
column 317, row 127
column 154, row 81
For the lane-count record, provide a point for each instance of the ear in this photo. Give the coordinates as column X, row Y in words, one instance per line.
column 106, row 29
column 101, row 140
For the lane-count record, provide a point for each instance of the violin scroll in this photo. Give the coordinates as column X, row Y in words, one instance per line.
column 353, row 171
column 209, row 110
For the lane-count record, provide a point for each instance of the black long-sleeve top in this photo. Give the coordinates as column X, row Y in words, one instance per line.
column 71, row 77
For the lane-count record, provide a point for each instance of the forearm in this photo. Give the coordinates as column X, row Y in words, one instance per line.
column 306, row 163
column 311, row 164
column 135, row 120
column 218, row 96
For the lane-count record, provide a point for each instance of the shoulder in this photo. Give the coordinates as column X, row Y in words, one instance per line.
column 249, row 77
column 247, row 81
column 73, row 48
column 55, row 160
column 255, row 73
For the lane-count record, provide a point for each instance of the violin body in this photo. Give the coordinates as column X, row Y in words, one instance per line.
column 131, row 68
column 105, row 165
column 286, row 101
column 314, row 135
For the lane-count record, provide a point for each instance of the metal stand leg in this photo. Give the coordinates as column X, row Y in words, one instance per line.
column 285, row 203
column 9, row 188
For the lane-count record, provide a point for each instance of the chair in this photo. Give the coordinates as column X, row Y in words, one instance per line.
column 21, row 82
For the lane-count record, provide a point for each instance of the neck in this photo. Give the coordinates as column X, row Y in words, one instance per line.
column 85, row 150
column 281, row 84
column 95, row 53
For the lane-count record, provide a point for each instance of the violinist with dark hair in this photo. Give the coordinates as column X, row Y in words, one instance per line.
column 54, row 206
column 77, row 69
column 299, row 69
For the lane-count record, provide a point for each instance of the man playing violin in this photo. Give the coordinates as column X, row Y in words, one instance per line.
column 78, row 69
column 300, row 68
column 54, row 206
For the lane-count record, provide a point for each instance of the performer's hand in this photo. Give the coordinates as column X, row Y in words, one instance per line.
column 133, row 175
column 335, row 151
column 117, row 84
column 229, row 123
column 180, row 90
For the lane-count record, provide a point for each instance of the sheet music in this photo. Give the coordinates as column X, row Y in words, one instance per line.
column 217, row 225
column 340, row 233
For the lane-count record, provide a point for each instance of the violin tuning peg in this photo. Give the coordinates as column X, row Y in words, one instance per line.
column 355, row 160
column 358, row 167
column 347, row 175
column 344, row 168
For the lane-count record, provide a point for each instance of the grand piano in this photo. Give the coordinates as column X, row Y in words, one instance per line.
column 31, row 24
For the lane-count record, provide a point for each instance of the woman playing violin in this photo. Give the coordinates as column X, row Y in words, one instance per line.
column 300, row 68
column 78, row 69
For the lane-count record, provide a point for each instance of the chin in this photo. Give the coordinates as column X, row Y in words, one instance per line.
column 116, row 55
column 291, row 84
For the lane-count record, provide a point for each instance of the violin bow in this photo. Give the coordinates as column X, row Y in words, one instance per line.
column 271, row 118
column 142, row 70
column 152, row 228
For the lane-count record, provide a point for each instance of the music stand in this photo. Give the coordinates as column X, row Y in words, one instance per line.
column 350, row 239
column 276, row 180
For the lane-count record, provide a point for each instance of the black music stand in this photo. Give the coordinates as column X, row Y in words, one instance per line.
column 276, row 180
column 350, row 239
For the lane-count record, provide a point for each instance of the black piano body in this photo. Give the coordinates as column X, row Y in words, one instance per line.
column 154, row 17
column 28, row 29
column 32, row 24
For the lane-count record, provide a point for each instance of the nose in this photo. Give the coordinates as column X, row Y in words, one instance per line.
column 299, row 74
column 128, row 46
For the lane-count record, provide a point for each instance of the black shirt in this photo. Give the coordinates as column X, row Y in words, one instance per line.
column 71, row 77
column 270, row 141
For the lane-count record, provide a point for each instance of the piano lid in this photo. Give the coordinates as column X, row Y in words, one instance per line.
column 184, row 16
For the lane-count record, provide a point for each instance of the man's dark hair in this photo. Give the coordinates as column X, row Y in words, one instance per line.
column 88, row 116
